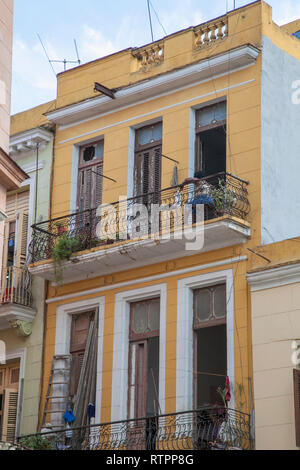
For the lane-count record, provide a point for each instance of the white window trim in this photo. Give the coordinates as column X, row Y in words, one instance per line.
column 19, row 354
column 119, row 410
column 63, row 337
column 185, row 360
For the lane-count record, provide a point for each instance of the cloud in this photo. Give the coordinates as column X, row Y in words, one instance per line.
column 94, row 45
column 33, row 79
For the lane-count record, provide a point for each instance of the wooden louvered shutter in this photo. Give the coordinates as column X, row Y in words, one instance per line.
column 297, row 405
column 5, row 245
column 22, row 236
column 97, row 185
column 9, row 416
column 147, row 175
column 90, row 187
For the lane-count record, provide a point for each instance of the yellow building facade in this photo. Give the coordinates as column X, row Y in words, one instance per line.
column 172, row 323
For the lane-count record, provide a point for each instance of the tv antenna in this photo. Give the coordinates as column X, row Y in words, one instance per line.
column 64, row 61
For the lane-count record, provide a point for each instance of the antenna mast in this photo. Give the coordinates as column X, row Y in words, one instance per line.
column 64, row 61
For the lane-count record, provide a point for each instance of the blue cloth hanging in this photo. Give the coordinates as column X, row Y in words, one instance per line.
column 91, row 410
column 69, row 416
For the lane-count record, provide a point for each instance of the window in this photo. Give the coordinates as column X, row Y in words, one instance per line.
column 144, row 358
column 9, row 384
column 210, row 344
column 211, row 139
column 147, row 172
column 79, row 335
column 89, row 176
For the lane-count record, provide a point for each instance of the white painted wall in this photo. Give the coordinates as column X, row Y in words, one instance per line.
column 280, row 147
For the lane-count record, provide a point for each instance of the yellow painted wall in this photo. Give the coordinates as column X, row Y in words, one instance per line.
column 243, row 160
column 31, row 118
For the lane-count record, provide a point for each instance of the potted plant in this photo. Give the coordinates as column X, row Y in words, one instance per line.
column 63, row 250
column 224, row 198
column 61, row 229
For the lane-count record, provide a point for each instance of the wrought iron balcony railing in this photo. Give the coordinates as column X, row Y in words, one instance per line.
column 209, row 428
column 16, row 287
column 220, row 194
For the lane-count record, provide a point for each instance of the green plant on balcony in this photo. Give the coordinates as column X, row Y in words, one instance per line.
column 62, row 251
column 36, row 443
column 224, row 198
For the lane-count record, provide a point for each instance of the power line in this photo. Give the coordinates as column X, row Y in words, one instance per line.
column 156, row 14
column 46, row 54
column 150, row 19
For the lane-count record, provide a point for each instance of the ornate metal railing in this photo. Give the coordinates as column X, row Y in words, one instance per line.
column 208, row 428
column 16, row 287
column 220, row 194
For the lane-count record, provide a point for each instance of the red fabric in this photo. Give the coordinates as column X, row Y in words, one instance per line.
column 227, row 390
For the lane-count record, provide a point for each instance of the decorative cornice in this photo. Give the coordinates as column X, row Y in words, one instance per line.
column 31, row 167
column 27, row 141
column 274, row 277
column 188, row 76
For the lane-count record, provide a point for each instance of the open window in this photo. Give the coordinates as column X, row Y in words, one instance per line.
column 9, row 387
column 89, row 194
column 210, row 344
column 211, row 139
column 79, row 335
column 144, row 359
column 147, row 167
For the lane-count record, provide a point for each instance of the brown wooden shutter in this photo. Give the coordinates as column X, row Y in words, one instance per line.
column 22, row 235
column 5, row 245
column 9, row 415
column 297, row 405
column 147, row 174
column 90, row 187
column 79, row 334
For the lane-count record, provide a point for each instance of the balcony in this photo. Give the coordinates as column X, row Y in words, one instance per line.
column 133, row 233
column 16, row 300
column 209, row 428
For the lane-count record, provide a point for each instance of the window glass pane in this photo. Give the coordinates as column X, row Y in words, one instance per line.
column 99, row 150
column 211, row 114
column 202, row 305
column 139, row 318
column 154, row 308
column 220, row 301
column 150, row 134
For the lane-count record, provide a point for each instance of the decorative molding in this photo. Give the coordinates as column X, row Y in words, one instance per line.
column 274, row 277
column 27, row 141
column 222, row 64
column 23, row 328
column 9, row 313
column 158, row 277
column 145, row 115
column 184, row 346
column 119, row 409
column 209, row 33
column 31, row 167
column 63, row 337
column 149, row 56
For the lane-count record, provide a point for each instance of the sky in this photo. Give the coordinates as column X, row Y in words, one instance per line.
column 100, row 27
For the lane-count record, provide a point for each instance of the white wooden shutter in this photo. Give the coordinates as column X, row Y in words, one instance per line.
column 9, row 415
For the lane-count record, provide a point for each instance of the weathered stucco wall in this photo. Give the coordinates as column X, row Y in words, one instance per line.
column 280, row 145
column 275, row 323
